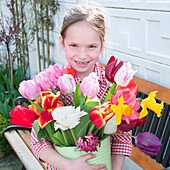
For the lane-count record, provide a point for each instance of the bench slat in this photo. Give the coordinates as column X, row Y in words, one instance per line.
column 22, row 151
column 144, row 160
column 26, row 137
column 147, row 87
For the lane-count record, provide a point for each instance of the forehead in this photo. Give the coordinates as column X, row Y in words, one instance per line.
column 82, row 32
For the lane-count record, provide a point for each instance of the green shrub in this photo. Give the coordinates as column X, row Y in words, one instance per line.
column 5, row 148
column 8, row 95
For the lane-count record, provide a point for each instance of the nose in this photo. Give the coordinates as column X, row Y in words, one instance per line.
column 82, row 53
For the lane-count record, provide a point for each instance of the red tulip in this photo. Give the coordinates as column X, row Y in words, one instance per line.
column 99, row 115
column 68, row 71
column 22, row 116
column 111, row 69
column 124, row 126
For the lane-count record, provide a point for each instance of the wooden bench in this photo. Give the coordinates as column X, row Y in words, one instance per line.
column 158, row 126
column 19, row 138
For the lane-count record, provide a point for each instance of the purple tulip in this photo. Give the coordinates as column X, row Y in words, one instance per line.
column 148, row 143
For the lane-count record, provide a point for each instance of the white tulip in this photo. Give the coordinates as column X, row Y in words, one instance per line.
column 124, row 75
column 67, row 117
column 110, row 126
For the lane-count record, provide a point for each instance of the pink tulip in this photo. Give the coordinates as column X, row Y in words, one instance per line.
column 66, row 84
column 90, row 86
column 45, row 80
column 55, row 71
column 29, row 89
column 124, row 74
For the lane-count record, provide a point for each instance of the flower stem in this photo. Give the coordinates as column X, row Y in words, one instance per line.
column 65, row 138
column 65, row 98
column 104, row 91
column 91, row 128
column 72, row 99
column 116, row 89
column 72, row 133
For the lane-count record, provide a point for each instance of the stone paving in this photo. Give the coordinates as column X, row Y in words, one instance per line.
column 10, row 163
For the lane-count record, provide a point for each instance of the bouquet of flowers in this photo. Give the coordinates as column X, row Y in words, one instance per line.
column 89, row 120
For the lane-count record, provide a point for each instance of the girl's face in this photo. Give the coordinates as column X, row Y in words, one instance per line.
column 82, row 47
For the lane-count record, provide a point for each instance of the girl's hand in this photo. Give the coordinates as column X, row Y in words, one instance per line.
column 81, row 164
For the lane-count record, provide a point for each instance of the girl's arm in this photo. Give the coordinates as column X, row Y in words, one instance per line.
column 117, row 161
column 50, row 156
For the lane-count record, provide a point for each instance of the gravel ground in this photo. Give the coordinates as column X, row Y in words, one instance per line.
column 10, row 163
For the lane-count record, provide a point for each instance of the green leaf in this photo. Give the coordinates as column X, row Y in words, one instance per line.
column 36, row 126
column 37, row 129
column 38, row 107
column 110, row 93
column 41, row 134
column 88, row 106
column 59, row 138
column 77, row 95
column 69, row 135
column 82, row 128
column 5, row 109
column 53, row 90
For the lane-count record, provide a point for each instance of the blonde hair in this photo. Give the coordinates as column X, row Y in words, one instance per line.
column 91, row 14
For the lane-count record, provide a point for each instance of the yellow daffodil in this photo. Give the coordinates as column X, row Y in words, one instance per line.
column 151, row 104
column 121, row 109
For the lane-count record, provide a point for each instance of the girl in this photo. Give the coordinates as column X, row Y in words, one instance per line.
column 82, row 39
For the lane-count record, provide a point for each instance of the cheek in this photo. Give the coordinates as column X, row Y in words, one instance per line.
column 95, row 55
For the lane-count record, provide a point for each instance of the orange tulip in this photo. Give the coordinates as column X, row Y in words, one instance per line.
column 45, row 118
column 99, row 115
column 49, row 100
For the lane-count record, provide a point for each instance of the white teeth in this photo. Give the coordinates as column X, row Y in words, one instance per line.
column 82, row 62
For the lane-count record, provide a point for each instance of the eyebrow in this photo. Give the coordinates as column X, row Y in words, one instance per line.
column 91, row 43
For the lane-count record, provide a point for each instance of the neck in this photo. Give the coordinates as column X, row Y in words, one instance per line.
column 82, row 75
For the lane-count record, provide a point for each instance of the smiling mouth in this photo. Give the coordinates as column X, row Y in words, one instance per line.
column 82, row 63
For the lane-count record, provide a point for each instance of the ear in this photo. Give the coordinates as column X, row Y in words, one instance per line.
column 61, row 42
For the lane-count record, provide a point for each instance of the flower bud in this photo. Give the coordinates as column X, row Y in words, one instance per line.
column 148, row 143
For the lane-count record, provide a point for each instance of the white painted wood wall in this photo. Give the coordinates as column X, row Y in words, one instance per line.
column 137, row 31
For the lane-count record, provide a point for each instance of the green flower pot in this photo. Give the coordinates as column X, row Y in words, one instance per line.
column 103, row 155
